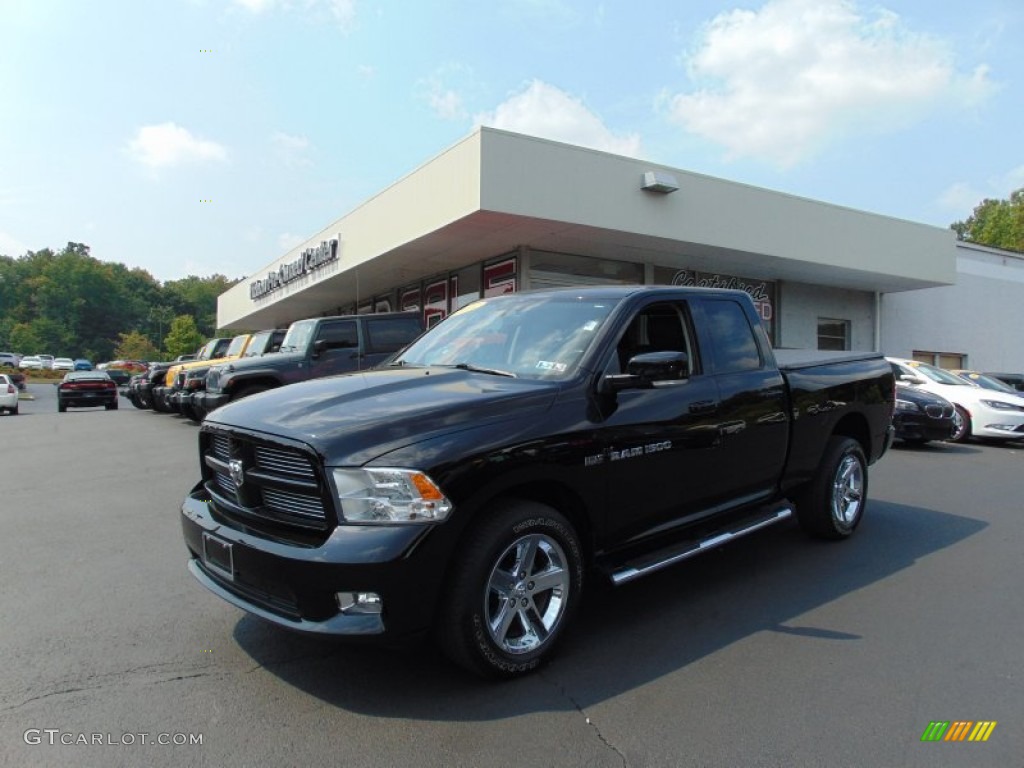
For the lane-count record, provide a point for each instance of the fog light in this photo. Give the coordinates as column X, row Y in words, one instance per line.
column 360, row 603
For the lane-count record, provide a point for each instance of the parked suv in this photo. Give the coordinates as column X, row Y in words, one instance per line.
column 9, row 360
column 312, row 349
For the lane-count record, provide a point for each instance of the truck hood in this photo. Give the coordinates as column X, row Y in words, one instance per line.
column 351, row 419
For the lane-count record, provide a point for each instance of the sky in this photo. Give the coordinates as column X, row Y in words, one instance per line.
column 201, row 137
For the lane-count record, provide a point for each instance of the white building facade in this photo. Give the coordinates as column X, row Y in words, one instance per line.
column 500, row 212
column 975, row 323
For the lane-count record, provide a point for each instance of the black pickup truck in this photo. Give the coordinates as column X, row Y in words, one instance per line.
column 311, row 349
column 472, row 485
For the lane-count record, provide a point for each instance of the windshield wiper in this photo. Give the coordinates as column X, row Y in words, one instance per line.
column 482, row 369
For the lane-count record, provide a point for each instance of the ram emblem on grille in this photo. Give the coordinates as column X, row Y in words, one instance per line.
column 237, row 472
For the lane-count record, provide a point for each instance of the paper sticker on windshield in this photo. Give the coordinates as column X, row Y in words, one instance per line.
column 589, row 326
column 545, row 365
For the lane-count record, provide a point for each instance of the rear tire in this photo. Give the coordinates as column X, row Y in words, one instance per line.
column 111, row 406
column 832, row 505
column 61, row 408
column 514, row 586
column 137, row 402
column 961, row 425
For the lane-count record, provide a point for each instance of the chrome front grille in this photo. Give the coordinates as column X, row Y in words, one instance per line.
column 285, row 462
column 263, row 483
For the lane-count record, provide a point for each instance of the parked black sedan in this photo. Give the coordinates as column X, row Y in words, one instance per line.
column 921, row 416
column 86, row 389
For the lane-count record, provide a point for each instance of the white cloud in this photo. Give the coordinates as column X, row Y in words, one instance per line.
column 549, row 112
column 781, row 82
column 342, row 12
column 292, row 149
column 11, row 246
column 962, row 198
column 168, row 144
column 256, row 6
column 446, row 102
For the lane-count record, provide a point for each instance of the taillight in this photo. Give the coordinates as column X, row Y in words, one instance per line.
column 10, row 389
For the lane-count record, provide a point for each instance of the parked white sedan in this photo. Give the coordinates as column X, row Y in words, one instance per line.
column 63, row 364
column 979, row 412
column 30, row 363
column 8, row 395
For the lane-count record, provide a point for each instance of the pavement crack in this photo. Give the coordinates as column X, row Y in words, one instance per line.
column 589, row 721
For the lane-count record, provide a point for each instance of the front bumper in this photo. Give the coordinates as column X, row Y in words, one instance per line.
column 296, row 585
column 997, row 424
column 918, row 426
column 163, row 395
column 209, row 401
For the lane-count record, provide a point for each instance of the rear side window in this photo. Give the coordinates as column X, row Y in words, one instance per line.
column 390, row 334
column 735, row 347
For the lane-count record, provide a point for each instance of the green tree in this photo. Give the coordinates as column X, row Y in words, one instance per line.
column 135, row 346
column 997, row 223
column 23, row 339
column 197, row 296
column 183, row 337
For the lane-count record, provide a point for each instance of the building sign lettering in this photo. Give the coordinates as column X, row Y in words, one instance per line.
column 308, row 261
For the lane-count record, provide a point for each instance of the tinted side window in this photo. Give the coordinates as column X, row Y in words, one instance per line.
column 735, row 345
column 339, row 335
column 390, row 334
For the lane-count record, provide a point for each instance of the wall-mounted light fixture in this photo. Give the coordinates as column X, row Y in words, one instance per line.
column 659, row 181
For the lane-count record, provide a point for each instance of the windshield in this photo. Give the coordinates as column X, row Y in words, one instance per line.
column 989, row 383
column 939, row 375
column 235, row 349
column 298, row 336
column 257, row 344
column 524, row 336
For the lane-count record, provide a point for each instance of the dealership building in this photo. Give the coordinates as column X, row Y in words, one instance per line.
column 500, row 212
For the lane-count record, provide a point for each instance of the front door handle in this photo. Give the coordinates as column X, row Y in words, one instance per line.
column 703, row 407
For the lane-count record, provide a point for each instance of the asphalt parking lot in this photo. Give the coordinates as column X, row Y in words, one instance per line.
column 773, row 651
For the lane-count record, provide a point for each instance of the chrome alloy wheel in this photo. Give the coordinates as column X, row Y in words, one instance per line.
column 526, row 593
column 848, row 491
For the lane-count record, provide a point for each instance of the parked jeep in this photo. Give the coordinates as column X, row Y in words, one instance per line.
column 312, row 349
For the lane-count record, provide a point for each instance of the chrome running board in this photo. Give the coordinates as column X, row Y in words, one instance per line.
column 666, row 557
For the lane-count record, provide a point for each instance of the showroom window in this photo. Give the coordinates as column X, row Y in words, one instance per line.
column 948, row 360
column 833, row 333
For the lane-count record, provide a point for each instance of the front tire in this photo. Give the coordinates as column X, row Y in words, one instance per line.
column 961, row 425
column 516, row 582
column 832, row 506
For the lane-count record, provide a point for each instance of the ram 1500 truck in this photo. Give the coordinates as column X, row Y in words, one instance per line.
column 526, row 444
column 312, row 349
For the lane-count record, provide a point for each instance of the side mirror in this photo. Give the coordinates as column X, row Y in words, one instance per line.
column 912, row 379
column 646, row 370
column 319, row 347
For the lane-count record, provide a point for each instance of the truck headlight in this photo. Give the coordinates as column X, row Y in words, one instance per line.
column 385, row 495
